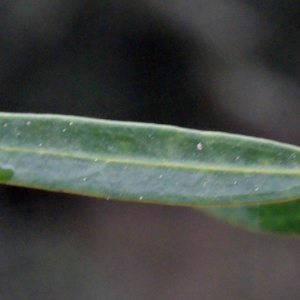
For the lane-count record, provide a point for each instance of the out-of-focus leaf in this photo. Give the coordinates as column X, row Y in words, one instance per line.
column 276, row 218
column 145, row 162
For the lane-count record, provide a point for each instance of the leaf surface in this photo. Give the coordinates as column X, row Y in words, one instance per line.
column 277, row 218
column 145, row 162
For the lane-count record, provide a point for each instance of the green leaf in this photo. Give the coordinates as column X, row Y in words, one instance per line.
column 277, row 217
column 145, row 162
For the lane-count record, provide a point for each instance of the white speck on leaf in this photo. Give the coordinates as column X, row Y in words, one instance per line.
column 199, row 146
column 84, row 179
column 96, row 159
column 141, row 198
column 28, row 123
column 41, row 144
column 237, row 158
column 5, row 125
column 71, row 123
column 256, row 189
column 235, row 182
column 64, row 129
column 160, row 176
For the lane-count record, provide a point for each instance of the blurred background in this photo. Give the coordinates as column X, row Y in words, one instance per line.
column 226, row 65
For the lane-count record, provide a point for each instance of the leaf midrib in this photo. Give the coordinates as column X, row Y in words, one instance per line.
column 154, row 162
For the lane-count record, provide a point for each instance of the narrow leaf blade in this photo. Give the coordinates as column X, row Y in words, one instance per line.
column 145, row 162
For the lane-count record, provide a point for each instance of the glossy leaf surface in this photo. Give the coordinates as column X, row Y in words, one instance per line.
column 145, row 162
